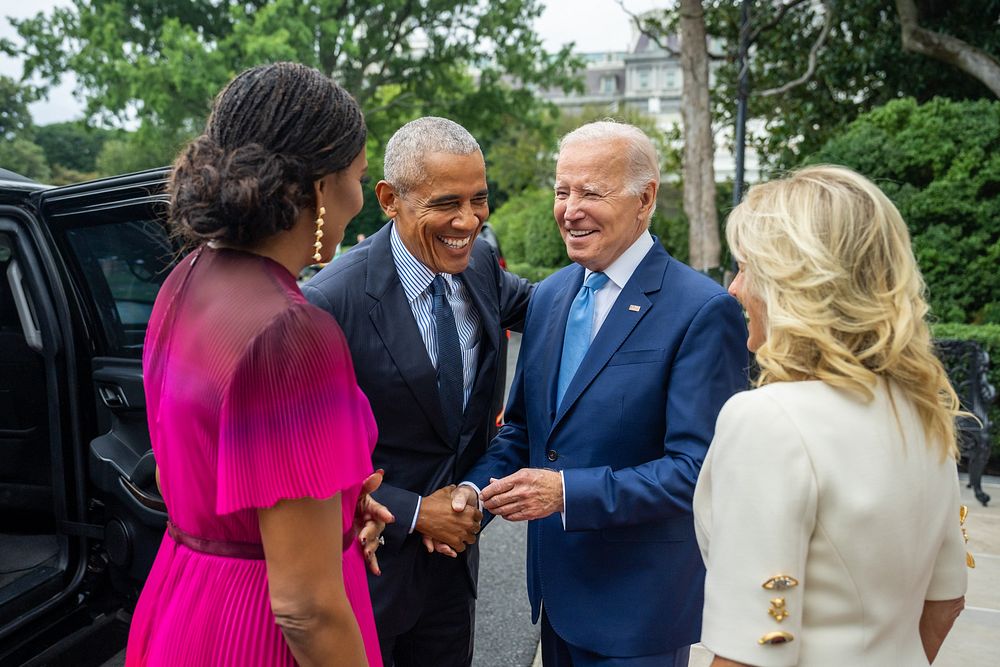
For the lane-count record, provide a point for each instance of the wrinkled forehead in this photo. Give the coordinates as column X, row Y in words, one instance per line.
column 452, row 175
column 601, row 164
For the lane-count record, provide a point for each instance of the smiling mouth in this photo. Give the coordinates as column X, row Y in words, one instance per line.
column 580, row 233
column 454, row 243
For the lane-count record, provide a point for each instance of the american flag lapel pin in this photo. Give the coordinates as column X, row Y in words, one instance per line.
column 634, row 308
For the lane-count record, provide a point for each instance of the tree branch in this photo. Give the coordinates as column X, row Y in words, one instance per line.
column 947, row 49
column 640, row 26
column 637, row 20
column 785, row 8
column 813, row 52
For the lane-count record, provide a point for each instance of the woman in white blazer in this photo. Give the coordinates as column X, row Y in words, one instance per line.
column 827, row 510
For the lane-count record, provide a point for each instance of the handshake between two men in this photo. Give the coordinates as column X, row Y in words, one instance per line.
column 450, row 518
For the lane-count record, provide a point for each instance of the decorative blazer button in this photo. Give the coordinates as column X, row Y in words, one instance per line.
column 552, row 455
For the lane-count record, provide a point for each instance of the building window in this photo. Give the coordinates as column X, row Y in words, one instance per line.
column 644, row 78
column 653, row 105
column 672, row 78
column 608, row 86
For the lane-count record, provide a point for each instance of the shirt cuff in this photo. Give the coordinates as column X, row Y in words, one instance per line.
column 479, row 493
column 563, row 513
column 416, row 513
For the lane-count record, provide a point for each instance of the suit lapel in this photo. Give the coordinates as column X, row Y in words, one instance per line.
column 477, row 279
column 628, row 310
column 393, row 320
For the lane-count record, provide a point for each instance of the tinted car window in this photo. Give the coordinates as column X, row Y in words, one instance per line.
column 123, row 265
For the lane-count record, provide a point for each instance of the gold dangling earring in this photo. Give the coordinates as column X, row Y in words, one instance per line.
column 317, row 257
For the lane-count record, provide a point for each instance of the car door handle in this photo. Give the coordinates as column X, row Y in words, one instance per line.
column 112, row 395
column 145, row 499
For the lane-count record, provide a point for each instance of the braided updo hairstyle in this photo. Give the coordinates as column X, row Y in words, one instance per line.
column 274, row 131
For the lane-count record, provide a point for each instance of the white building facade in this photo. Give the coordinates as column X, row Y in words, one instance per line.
column 647, row 79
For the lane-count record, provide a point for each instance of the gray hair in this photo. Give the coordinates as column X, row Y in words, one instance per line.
column 403, row 165
column 643, row 161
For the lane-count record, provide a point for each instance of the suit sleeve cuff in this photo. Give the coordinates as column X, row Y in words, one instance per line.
column 416, row 513
column 562, row 476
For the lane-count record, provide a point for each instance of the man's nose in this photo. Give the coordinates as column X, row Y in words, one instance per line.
column 467, row 217
column 573, row 209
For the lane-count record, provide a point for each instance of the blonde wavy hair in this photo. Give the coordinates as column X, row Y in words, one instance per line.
column 829, row 257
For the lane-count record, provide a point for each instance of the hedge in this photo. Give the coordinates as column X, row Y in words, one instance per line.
column 940, row 163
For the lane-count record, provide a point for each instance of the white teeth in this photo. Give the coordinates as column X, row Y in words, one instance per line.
column 454, row 243
column 578, row 233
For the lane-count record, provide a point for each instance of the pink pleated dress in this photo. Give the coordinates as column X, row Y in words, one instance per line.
column 252, row 398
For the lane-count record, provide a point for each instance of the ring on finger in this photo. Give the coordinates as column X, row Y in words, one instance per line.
column 381, row 540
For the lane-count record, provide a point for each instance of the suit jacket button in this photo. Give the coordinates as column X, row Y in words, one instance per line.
column 552, row 455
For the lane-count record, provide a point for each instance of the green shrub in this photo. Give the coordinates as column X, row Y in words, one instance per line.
column 940, row 163
column 987, row 335
column 530, row 272
column 527, row 231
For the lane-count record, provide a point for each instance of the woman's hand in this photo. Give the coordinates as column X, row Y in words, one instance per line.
column 370, row 519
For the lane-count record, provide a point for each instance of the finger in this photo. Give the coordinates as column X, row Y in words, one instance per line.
column 369, row 535
column 372, row 482
column 498, row 486
column 380, row 512
column 445, row 550
column 462, row 498
column 502, row 500
column 373, row 567
column 428, row 544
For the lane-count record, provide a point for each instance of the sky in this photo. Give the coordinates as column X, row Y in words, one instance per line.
column 594, row 25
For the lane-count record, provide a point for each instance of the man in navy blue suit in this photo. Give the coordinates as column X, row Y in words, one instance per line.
column 627, row 357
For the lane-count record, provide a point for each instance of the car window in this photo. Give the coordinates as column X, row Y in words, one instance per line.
column 123, row 265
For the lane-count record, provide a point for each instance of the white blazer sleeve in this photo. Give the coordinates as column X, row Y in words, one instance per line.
column 949, row 578
column 762, row 498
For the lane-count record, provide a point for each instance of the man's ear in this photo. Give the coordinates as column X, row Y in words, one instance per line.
column 388, row 199
column 647, row 198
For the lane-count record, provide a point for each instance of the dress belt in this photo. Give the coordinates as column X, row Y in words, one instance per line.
column 245, row 550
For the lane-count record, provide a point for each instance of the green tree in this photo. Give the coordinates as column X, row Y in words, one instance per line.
column 25, row 157
column 164, row 61
column 815, row 66
column 145, row 148
column 72, row 145
column 860, row 65
column 15, row 119
column 940, row 163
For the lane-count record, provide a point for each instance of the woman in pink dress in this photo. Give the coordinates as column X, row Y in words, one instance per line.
column 262, row 437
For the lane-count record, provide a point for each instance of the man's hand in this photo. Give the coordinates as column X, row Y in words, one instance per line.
column 530, row 493
column 443, row 526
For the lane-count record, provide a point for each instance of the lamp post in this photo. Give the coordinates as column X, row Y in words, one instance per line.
column 743, row 90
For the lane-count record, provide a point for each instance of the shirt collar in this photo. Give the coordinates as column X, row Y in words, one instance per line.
column 622, row 268
column 413, row 274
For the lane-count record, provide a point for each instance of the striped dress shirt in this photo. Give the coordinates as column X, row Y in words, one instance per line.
column 416, row 279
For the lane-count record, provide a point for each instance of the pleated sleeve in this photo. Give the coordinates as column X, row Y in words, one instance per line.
column 294, row 422
column 761, row 504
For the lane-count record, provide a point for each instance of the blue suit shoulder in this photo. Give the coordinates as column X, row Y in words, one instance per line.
column 696, row 284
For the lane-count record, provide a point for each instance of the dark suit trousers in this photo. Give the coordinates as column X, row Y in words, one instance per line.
column 557, row 653
column 443, row 635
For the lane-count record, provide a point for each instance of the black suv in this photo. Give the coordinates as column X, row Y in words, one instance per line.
column 80, row 516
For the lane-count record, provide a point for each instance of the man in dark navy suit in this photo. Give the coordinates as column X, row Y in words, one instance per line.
column 424, row 305
column 626, row 360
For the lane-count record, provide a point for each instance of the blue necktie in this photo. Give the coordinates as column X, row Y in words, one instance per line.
column 451, row 386
column 578, row 327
